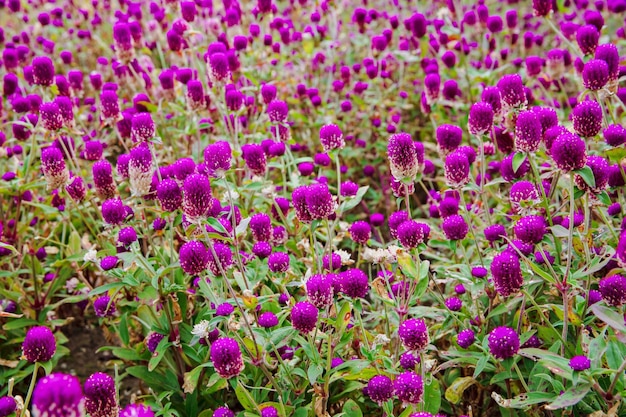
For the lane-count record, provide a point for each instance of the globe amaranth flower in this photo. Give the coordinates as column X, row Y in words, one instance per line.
column 449, row 137
column 465, row 338
column 495, row 232
column 319, row 201
column 542, row 7
column 608, row 53
column 360, row 231
column 304, row 316
column 600, row 169
column 224, row 258
column 455, row 227
column 587, row 118
column 277, row 111
column 58, row 395
column 595, row 74
column 528, row 131
column 380, row 389
column 522, row 191
column 217, row 157
column 223, row 412
column 7, row 406
column 102, row 172
column 480, row 118
column 262, row 249
column 100, row 396
column 402, row 157
column 587, row 37
column 137, row 410
column 414, row 334
column 454, row 303
column 110, row 106
column 104, row 307
column 614, row 135
column 261, row 227
column 269, row 411
column 412, row 233
column 457, row 169
column 54, row 169
column 218, row 68
column 39, row 344
column 51, row 117
column 255, row 158
column 409, row 387
column 226, row 357
column 43, row 71
column 569, row 152
column 613, row 290
column 268, row 319
column 140, row 170
column 153, row 340
column 331, row 137
column 169, row 195
column 354, row 283
column 224, row 310
column 503, row 342
column 127, row 235
column 194, row 257
column 512, row 91
column 530, row 229
column 579, row 363
column 507, row 273
column 319, row 290
column 448, row 206
column 278, row 262
column 197, row 198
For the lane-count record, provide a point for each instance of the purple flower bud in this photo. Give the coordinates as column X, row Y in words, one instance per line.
column 411, row 233
column 507, row 273
column 613, row 289
column 409, row 387
column 609, row 54
column 142, row 127
column 109, row 105
column 268, row 320
column 542, row 7
column 217, row 157
column 614, row 135
column 218, row 68
column 126, row 236
column 223, row 412
column 512, row 91
column 58, row 395
column 354, row 283
column 278, row 262
column 528, row 131
column 169, row 195
column 480, row 118
column 319, row 201
column 360, row 232
column 51, row 116
column 43, row 71
column 140, row 170
column 579, row 363
column 414, row 334
column 319, row 290
column 600, row 169
column 587, row 118
column 568, row 152
column 331, row 137
column 465, row 338
column 595, row 74
column 455, row 227
column 587, row 37
column 109, row 262
column 100, row 396
column 402, row 156
column 104, row 306
column 449, row 138
column 54, row 168
column 457, row 167
column 194, row 257
column 7, row 406
column 503, row 342
column 278, row 111
column 380, row 389
column 197, row 198
column 530, row 229
column 39, row 344
column 304, row 316
column 255, row 158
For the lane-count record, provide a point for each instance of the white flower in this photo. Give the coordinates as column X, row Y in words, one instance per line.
column 91, row 256
column 345, row 257
column 201, row 329
column 71, row 284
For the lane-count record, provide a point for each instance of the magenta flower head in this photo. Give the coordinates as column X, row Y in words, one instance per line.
column 218, row 68
column 331, row 137
column 528, row 131
column 354, row 283
column 137, row 410
column 360, row 232
column 579, row 363
column 197, row 198
column 466, row 338
column 503, row 342
column 54, row 168
column 7, row 406
column 269, row 411
column 608, row 53
column 122, row 39
column 380, row 389
column 414, row 334
column 298, row 197
column 512, row 91
column 140, row 170
column 103, row 179
column 224, row 257
column 255, row 158
column 587, row 118
column 104, row 307
column 169, row 195
column 613, row 290
column 268, row 320
column 492, row 96
column 542, row 7
column 100, row 396
column 569, row 152
column 226, row 357
column 530, row 229
column 409, row 387
column 110, row 106
column 217, row 157
column 223, row 412
column 319, row 290
column 278, row 111
column 261, row 227
column 319, row 201
column 600, row 169
column 507, row 273
column 39, row 344
column 142, row 127
column 278, row 262
column 304, row 316
column 614, row 135
column 455, row 227
column 522, row 191
column 587, row 38
column 58, row 395
column 449, row 138
column 153, row 340
column 595, row 74
column 412, row 233
column 402, row 157
column 43, row 71
column 480, row 118
column 194, row 257
column 51, row 118
column 457, row 169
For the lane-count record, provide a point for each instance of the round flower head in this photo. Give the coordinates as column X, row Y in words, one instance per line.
column 354, row 283
column 465, row 338
column 194, row 257
column 503, row 342
column 360, row 232
column 395, row 220
column 455, row 227
column 102, row 172
column 613, row 290
column 262, row 249
column 137, row 410
column 319, row 290
column 600, row 169
column 409, row 387
column 319, row 201
column 195, row 95
column 457, row 169
column 153, row 340
column 542, row 7
column 609, row 54
column 268, row 93
column 224, row 257
column 223, row 412
column 298, row 198
column 7, row 406
column 113, row 211
column 512, row 91
column 278, row 262
column 507, row 273
column 140, row 170
column 58, row 395
column 480, row 118
column 261, row 227
column 269, row 411
column 414, row 334
column 530, row 229
column 409, row 361
column 448, row 206
column 224, row 310
column 304, row 316
column 579, row 363
column 495, row 232
column 226, row 357
column 51, row 117
column 449, row 138
column 104, row 307
column 54, row 168
column 331, row 137
column 595, row 74
column 127, row 235
column 197, row 199
column 380, row 389
column 411, row 233
column 277, row 111
column 454, row 303
column 109, row 105
column 142, row 127
column 587, row 38
column 268, row 319
column 568, row 152
column 43, row 71
column 402, row 157
column 218, row 68
column 39, row 344
column 614, row 135
column 217, row 158
column 528, row 131
column 100, row 396
column 522, row 191
column 587, row 118
column 169, row 195
column 255, row 158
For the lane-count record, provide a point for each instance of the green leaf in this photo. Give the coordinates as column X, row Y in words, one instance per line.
column 123, row 330
column 604, row 198
column 352, row 409
column 432, row 397
column 570, row 397
column 523, row 400
column 454, row 393
column 518, row 160
column 74, row 245
column 153, row 380
column 587, row 175
column 610, row 317
column 314, row 372
column 19, row 324
column 158, row 354
column 244, row 397
column 352, row 202
column 105, row 288
column 480, row 366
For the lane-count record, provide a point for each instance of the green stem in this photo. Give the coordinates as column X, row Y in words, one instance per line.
column 31, row 387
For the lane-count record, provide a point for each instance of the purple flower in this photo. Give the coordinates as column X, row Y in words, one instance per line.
column 414, row 334
column 466, row 338
column 277, row 111
column 304, row 316
column 411, row 233
column 113, row 211
column 262, row 249
column 51, row 117
column 595, row 74
column 542, row 7
column 109, row 105
column 512, row 91
column 354, row 283
column 319, row 290
column 495, row 232
column 194, row 257
column 153, row 340
column 268, row 411
column 360, row 232
column 142, row 127
column 409, row 387
column 218, row 68
column 449, row 138
column 127, row 235
column 600, row 169
column 169, row 195
column 522, row 191
column 255, row 158
column 480, row 118
column 217, row 158
column 7, row 406
column 454, row 304
column 609, row 54
column 278, row 262
column 197, row 199
column 457, row 168
column 587, row 118
column 261, row 226
column 223, row 412
column 409, row 361
column 39, row 344
column 103, row 179
column 579, row 363
column 268, row 319
column 587, row 38
column 331, row 137
column 100, row 396
column 226, row 357
column 54, row 168
column 319, row 201
column 137, row 410
column 507, row 273
column 614, row 209
column 58, row 395
column 613, row 289
column 614, row 135
column 530, row 229
column 569, row 152
column 455, row 227
column 402, row 156
column 380, row 389
column 528, row 131
column 224, row 309
column 104, row 307
column 503, row 342
column 43, row 71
